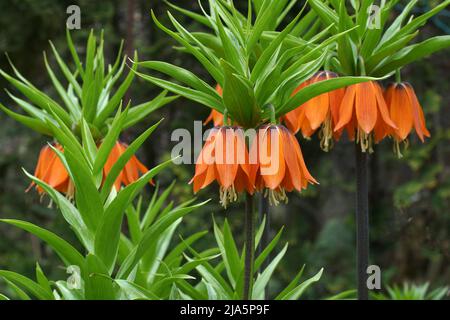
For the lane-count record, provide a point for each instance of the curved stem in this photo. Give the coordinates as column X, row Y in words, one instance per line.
column 249, row 247
column 362, row 221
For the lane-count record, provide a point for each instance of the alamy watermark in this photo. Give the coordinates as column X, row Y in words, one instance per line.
column 74, row 19
column 230, row 147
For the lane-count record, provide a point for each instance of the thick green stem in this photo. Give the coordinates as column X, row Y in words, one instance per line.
column 249, row 247
column 273, row 119
column 398, row 76
column 362, row 222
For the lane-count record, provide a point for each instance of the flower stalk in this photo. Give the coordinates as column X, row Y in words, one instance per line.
column 362, row 221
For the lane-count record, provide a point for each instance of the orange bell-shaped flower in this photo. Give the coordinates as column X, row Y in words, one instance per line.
column 51, row 170
column 405, row 111
column 279, row 165
column 224, row 158
column 132, row 170
column 364, row 112
column 319, row 112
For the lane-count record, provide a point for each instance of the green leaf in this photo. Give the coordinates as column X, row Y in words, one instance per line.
column 98, row 284
column 208, row 100
column 108, row 232
column 176, row 252
column 38, row 98
column 68, row 254
column 32, row 123
column 270, row 51
column 150, row 235
column 316, row 89
column 66, row 71
column 3, row 297
column 74, row 109
column 412, row 53
column 180, row 74
column 29, row 285
column 89, row 145
column 139, row 112
column 324, row 12
column 116, row 98
column 195, row 16
column 298, row 291
column 155, row 206
column 267, row 250
column 87, row 196
column 264, row 21
column 133, row 291
column 263, row 279
column 69, row 212
column 123, row 160
column 387, row 51
column 74, row 54
column 109, row 141
column 209, row 66
column 22, row 295
column 239, row 98
column 42, row 279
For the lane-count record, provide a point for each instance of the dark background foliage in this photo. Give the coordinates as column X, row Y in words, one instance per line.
column 410, row 198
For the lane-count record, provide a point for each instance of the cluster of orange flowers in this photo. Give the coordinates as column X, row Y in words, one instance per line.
column 275, row 163
column 52, row 171
column 365, row 111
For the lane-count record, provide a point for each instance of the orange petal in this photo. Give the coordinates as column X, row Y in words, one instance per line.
column 316, row 110
column 366, row 108
column 226, row 157
column 382, row 107
column 400, row 108
column 292, row 165
column 346, row 108
column 417, row 112
column 272, row 164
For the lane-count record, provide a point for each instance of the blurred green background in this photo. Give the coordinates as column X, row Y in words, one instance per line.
column 410, row 198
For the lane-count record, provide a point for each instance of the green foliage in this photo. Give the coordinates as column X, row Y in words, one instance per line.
column 90, row 96
column 412, row 292
column 252, row 71
column 374, row 47
column 222, row 270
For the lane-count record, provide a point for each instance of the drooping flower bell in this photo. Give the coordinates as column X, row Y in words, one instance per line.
column 319, row 112
column 406, row 113
column 364, row 113
column 51, row 170
column 224, row 158
column 279, row 165
column 132, row 170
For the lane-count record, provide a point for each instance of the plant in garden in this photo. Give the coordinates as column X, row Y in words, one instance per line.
column 257, row 68
column 375, row 47
column 102, row 174
column 224, row 279
column 95, row 181
column 85, row 110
